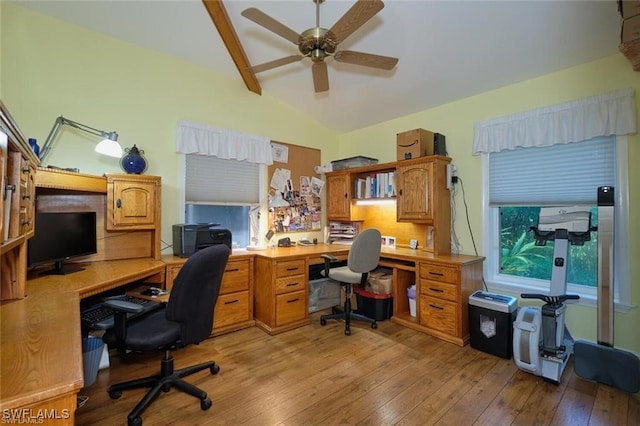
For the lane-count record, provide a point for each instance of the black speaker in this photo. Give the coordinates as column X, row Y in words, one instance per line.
column 439, row 144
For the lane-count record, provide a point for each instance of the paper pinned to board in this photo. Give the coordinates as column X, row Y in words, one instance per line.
column 280, row 178
column 280, row 153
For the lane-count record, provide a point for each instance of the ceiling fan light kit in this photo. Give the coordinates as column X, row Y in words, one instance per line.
column 319, row 43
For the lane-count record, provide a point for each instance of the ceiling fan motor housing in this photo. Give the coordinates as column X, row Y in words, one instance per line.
column 317, row 43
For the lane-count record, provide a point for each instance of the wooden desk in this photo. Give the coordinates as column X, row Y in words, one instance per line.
column 443, row 285
column 40, row 346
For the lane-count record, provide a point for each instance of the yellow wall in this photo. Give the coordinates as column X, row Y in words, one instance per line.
column 50, row 68
column 456, row 121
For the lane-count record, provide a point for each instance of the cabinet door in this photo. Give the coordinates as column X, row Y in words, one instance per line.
column 338, row 199
column 414, row 192
column 133, row 205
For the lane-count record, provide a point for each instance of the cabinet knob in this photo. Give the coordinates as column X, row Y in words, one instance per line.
column 26, row 197
column 118, row 203
column 26, row 222
column 400, row 192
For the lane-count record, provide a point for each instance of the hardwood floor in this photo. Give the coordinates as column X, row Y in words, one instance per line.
column 390, row 376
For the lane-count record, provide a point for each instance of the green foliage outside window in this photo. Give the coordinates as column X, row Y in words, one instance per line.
column 520, row 256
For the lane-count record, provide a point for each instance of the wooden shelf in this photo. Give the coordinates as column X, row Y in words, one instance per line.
column 71, row 181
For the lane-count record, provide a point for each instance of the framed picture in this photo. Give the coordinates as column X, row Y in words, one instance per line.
column 391, row 242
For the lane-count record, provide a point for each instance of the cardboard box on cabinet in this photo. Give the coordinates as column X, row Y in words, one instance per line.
column 414, row 143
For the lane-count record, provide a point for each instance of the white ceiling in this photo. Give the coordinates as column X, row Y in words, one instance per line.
column 447, row 50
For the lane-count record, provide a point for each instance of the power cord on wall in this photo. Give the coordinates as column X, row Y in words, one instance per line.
column 455, row 180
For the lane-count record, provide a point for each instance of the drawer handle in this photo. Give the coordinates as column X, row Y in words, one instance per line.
column 292, row 284
column 230, row 302
column 232, row 270
column 26, row 197
column 436, row 306
column 26, row 222
column 436, row 290
column 295, row 268
column 293, row 300
column 439, row 274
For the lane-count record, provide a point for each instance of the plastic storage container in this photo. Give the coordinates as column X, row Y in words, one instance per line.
column 351, row 162
column 376, row 306
column 491, row 318
column 323, row 293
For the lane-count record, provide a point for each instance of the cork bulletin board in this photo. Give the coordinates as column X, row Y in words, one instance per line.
column 302, row 190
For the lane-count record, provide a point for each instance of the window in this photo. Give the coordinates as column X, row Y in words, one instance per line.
column 222, row 192
column 520, row 181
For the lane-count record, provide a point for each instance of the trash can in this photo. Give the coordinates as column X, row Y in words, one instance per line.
column 92, row 348
column 411, row 294
column 491, row 318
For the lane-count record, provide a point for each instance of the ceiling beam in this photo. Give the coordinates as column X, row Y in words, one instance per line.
column 221, row 20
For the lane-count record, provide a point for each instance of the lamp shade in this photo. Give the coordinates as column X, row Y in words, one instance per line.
column 278, row 201
column 109, row 147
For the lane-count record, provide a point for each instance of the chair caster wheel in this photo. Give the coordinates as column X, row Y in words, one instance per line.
column 215, row 368
column 323, row 321
column 136, row 421
column 115, row 394
column 205, row 404
column 374, row 325
column 347, row 332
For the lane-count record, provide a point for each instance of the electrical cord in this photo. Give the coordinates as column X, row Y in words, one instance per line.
column 466, row 208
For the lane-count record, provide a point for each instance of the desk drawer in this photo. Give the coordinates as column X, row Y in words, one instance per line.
column 291, row 307
column 439, row 315
column 236, row 277
column 289, row 284
column 230, row 309
column 439, row 289
column 436, row 272
column 290, row 267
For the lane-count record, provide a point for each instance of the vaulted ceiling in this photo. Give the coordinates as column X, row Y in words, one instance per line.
column 447, row 49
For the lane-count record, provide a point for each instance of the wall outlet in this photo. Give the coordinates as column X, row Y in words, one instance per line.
column 451, row 173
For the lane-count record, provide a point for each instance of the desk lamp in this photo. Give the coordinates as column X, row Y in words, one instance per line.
column 275, row 201
column 108, row 146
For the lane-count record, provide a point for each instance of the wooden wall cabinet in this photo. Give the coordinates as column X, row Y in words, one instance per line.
column 414, row 201
column 339, row 196
column 133, row 201
column 234, row 308
column 281, row 299
column 17, row 206
column 422, row 196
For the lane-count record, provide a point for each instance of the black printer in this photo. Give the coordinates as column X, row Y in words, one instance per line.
column 189, row 238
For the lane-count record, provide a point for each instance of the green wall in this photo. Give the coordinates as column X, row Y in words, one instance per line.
column 50, row 68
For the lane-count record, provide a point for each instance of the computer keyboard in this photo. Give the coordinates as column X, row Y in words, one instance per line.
column 99, row 317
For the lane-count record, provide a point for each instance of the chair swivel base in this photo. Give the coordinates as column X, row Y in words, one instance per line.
column 163, row 381
column 347, row 315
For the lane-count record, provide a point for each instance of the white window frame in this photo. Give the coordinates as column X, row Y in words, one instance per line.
column 511, row 284
column 262, row 179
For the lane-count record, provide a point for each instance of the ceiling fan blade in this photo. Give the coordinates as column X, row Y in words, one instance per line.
column 320, row 76
column 365, row 59
column 271, row 24
column 355, row 17
column 274, row 64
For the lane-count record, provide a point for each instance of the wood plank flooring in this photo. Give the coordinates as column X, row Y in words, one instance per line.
column 390, row 376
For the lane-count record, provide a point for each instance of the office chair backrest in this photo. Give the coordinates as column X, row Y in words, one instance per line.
column 365, row 251
column 195, row 292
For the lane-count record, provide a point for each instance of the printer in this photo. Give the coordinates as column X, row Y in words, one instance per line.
column 189, row 238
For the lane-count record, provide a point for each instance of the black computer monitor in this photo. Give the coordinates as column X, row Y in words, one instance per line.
column 62, row 236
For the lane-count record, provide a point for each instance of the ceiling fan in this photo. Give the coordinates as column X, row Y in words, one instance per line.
column 319, row 43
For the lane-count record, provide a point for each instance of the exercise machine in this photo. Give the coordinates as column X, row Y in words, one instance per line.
column 542, row 343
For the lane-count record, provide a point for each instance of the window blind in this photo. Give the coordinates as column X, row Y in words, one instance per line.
column 214, row 180
column 565, row 174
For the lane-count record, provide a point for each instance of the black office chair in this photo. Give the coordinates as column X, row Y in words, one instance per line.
column 187, row 319
column 363, row 258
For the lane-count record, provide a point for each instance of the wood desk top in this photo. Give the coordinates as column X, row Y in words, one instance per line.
column 40, row 340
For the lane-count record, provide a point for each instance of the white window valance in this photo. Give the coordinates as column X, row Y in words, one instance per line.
column 222, row 143
column 607, row 114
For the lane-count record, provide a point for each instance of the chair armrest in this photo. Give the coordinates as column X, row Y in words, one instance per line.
column 122, row 306
column 328, row 258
